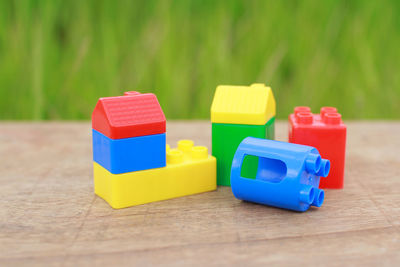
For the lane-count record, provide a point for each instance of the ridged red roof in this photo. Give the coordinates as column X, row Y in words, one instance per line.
column 127, row 116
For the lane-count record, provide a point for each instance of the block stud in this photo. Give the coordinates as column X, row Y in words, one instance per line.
column 185, row 145
column 325, row 168
column 130, row 93
column 325, row 110
column 304, row 117
column 313, row 163
column 319, row 198
column 332, row 118
column 199, row 152
column 301, row 109
column 307, row 194
column 174, row 156
column 257, row 85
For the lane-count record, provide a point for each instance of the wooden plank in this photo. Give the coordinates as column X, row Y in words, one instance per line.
column 49, row 214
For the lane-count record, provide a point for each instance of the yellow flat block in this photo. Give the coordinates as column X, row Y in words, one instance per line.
column 253, row 105
column 190, row 170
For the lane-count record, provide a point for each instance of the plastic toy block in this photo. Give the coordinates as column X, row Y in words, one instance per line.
column 250, row 105
column 327, row 133
column 129, row 154
column 225, row 140
column 287, row 176
column 190, row 170
column 131, row 115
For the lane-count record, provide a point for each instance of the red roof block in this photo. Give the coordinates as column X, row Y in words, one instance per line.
column 131, row 115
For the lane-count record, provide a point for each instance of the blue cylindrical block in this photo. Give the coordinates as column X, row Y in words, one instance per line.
column 287, row 176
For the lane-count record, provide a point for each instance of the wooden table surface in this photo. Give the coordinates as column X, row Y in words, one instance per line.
column 50, row 215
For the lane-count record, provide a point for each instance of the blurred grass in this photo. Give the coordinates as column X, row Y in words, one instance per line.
column 58, row 57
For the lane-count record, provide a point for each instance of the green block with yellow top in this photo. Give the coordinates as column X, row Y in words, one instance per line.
column 236, row 113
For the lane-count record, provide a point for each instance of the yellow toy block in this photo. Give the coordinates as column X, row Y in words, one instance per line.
column 190, row 170
column 253, row 105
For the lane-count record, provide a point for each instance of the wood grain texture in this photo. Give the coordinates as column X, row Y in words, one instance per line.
column 49, row 214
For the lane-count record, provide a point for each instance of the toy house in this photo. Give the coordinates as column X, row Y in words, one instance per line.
column 129, row 133
column 238, row 112
column 132, row 163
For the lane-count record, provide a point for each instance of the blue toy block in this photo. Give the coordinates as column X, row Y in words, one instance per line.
column 287, row 176
column 129, row 154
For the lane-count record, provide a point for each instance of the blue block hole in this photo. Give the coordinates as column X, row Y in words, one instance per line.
column 268, row 170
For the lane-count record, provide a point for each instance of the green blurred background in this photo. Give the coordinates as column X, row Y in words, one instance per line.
column 58, row 57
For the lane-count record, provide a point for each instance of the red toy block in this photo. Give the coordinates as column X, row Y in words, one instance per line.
column 327, row 133
column 131, row 115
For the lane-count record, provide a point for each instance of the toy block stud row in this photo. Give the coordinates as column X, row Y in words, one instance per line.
column 288, row 175
column 129, row 133
column 236, row 113
column 327, row 133
column 190, row 170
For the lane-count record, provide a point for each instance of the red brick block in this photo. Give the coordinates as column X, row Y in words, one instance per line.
column 327, row 133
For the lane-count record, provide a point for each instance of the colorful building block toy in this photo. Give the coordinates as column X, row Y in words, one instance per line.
column 190, row 170
column 132, row 164
column 129, row 154
column 287, row 176
column 131, row 115
column 129, row 133
column 327, row 133
column 236, row 113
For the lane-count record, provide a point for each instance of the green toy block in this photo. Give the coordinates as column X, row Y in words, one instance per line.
column 225, row 140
